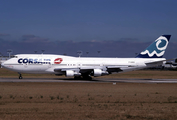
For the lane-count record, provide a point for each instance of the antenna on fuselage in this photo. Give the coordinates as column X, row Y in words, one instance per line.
column 42, row 51
column 87, row 53
column 99, row 53
column 79, row 53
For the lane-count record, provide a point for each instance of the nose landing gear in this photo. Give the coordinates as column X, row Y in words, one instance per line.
column 20, row 76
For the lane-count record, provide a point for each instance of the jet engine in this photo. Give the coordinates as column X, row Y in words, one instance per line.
column 99, row 72
column 71, row 73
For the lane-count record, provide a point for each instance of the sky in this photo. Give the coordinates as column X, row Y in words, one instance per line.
column 116, row 28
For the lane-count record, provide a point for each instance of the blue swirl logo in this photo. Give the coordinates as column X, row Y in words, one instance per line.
column 157, row 48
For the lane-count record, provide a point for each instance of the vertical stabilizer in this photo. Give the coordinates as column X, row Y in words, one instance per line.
column 156, row 49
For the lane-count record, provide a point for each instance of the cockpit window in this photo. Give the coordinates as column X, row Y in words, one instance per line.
column 14, row 56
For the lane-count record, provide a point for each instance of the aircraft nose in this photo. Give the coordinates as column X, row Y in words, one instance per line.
column 2, row 64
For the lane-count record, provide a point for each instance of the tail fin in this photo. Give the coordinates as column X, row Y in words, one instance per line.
column 156, row 49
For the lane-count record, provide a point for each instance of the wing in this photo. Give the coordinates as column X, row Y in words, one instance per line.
column 89, row 70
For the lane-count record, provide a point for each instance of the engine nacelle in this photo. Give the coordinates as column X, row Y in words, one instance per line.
column 99, row 72
column 71, row 73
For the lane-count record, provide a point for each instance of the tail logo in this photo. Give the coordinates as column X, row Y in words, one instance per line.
column 163, row 46
column 157, row 48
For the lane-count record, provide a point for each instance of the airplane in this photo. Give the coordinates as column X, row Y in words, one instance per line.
column 86, row 67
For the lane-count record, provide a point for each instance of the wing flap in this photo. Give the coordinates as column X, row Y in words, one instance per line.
column 64, row 69
column 117, row 66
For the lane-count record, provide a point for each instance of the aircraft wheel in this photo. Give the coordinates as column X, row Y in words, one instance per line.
column 77, row 77
column 87, row 77
column 20, row 76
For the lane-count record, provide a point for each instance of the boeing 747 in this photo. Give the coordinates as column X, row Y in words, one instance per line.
column 85, row 67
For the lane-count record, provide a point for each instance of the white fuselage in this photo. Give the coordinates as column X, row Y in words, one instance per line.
column 44, row 63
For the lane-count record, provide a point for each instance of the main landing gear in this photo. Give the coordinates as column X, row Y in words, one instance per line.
column 87, row 77
column 20, row 76
column 83, row 77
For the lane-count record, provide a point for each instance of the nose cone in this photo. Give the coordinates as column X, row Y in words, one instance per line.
column 2, row 64
column 6, row 64
column 9, row 64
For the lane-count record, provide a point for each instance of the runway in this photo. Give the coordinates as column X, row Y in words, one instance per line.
column 95, row 80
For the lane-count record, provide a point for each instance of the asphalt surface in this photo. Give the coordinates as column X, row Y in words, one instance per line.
column 95, row 80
